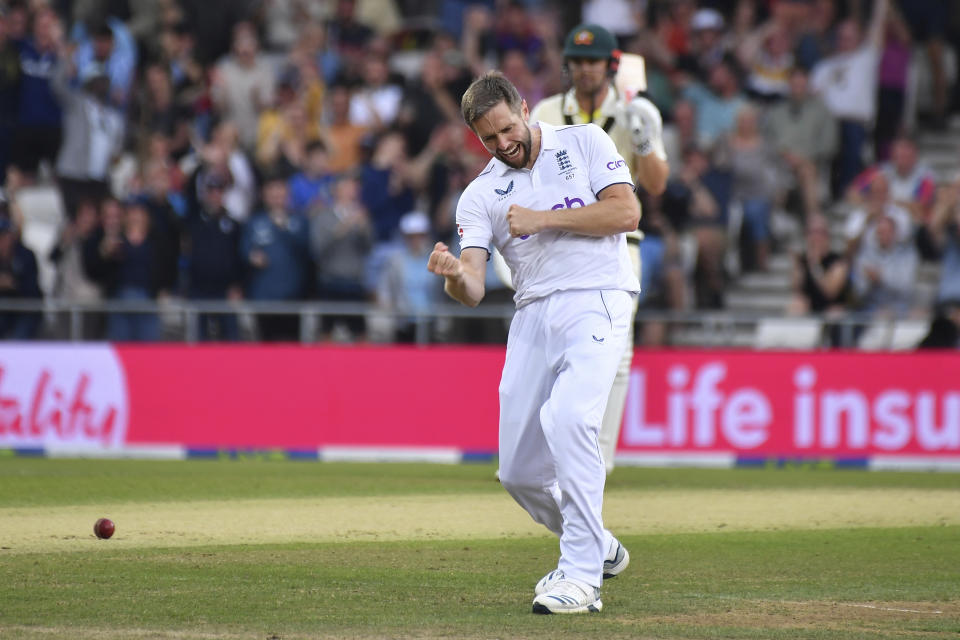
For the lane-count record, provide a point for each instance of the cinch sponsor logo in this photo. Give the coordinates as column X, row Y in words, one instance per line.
column 615, row 164
column 704, row 410
column 568, row 203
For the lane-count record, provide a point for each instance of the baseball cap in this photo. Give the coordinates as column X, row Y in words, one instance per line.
column 706, row 19
column 414, row 222
column 589, row 41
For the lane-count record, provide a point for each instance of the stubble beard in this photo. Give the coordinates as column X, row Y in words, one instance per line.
column 525, row 145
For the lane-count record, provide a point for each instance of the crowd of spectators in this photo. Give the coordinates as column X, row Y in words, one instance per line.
column 287, row 150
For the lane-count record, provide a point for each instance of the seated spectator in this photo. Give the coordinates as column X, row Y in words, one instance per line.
column 211, row 251
column 945, row 329
column 679, row 134
column 123, row 258
column 912, row 184
column 716, row 104
column 403, row 289
column 754, row 184
column 860, row 227
column 821, row 276
column 804, row 134
column 284, row 130
column 340, row 241
column 944, row 232
column 72, row 284
column 312, row 187
column 847, row 82
column 18, row 280
column 885, row 272
column 698, row 198
column 275, row 248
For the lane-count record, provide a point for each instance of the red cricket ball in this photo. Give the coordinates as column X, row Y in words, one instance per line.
column 104, row 528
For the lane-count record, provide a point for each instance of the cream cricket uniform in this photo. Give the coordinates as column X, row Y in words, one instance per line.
column 574, row 300
column 562, row 108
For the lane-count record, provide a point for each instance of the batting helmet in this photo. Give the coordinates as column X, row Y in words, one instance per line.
column 590, row 41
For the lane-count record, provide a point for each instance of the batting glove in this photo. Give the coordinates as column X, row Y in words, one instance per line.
column 645, row 125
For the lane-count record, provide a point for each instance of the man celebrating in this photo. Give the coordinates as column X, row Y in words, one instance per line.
column 590, row 55
column 557, row 203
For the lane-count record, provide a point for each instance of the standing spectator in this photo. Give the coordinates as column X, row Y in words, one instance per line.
column 680, row 134
column 123, row 258
column 403, row 289
column 340, row 240
column 38, row 132
column 754, row 183
column 376, row 104
column 18, row 279
column 211, row 247
column 885, row 272
column 929, row 21
column 847, row 81
column 817, row 33
column 108, row 45
column 9, row 91
column 706, row 44
column 243, row 84
column 72, row 284
column 944, row 231
column 804, row 134
column 343, row 137
column 92, row 135
column 427, row 104
column 313, row 186
column 767, row 56
column 284, row 130
column 892, row 83
column 385, row 191
column 275, row 247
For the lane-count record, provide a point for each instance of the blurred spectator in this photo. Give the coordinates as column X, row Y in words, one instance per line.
column 945, row 329
column 165, row 225
column 929, row 21
column 515, row 67
column 123, row 258
column 817, row 33
column 376, row 103
column 156, row 110
column 284, row 130
column 699, row 197
column 847, row 82
column 343, row 138
column 275, row 247
column 892, row 83
column 212, row 23
column 178, row 56
column 622, row 18
column 340, row 241
column 767, row 55
column 18, row 280
column 427, row 104
column 211, row 248
column 110, row 46
column 885, row 272
column 754, row 184
column 243, row 83
column 9, row 90
column 679, row 134
column 313, row 186
column 72, row 283
column 38, row 133
column 944, row 231
column 860, row 226
column 283, row 19
column 804, row 134
column 402, row 288
column 223, row 155
column 821, row 282
column 706, row 48
column 348, row 37
column 385, row 191
column 912, row 184
column 717, row 104
column 93, row 132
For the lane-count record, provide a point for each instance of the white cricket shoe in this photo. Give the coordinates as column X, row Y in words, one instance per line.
column 568, row 596
column 616, row 561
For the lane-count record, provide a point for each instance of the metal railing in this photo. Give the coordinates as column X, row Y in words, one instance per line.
column 180, row 321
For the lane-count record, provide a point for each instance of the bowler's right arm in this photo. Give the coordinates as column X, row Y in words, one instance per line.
column 464, row 276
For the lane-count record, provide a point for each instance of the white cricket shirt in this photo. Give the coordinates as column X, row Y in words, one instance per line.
column 575, row 163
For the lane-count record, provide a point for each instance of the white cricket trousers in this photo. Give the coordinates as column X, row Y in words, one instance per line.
column 562, row 355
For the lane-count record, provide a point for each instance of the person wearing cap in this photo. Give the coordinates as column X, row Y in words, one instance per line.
column 405, row 286
column 590, row 55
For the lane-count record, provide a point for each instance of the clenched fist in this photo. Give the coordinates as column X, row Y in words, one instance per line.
column 523, row 221
column 444, row 263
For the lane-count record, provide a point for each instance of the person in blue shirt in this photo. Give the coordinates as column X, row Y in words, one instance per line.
column 275, row 248
column 312, row 188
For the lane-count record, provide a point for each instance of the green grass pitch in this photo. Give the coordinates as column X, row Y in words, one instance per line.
column 276, row 549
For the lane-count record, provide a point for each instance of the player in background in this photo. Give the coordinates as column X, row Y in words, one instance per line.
column 556, row 202
column 591, row 57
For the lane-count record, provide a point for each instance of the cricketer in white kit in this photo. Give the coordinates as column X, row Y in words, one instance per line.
column 556, row 202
